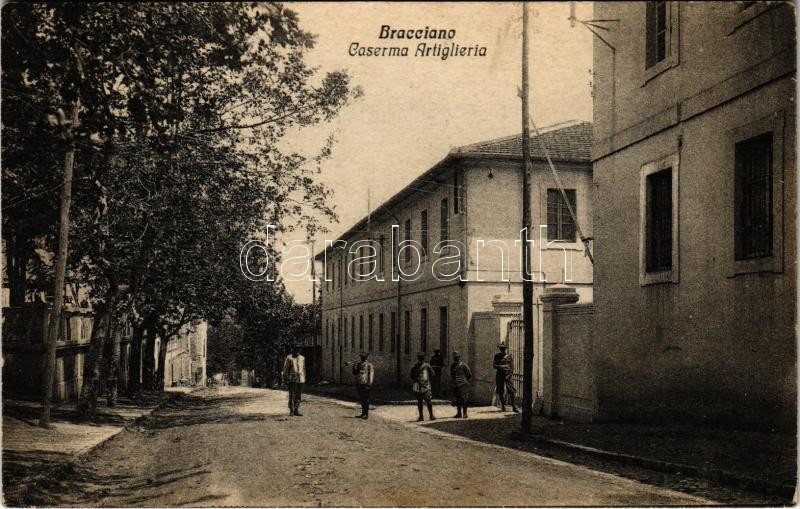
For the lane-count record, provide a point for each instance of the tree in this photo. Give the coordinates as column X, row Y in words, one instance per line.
column 183, row 108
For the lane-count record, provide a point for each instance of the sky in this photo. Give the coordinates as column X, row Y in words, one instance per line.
column 415, row 109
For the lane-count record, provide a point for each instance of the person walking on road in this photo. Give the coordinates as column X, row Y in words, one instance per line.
column 460, row 376
column 365, row 376
column 504, row 366
column 294, row 376
column 421, row 374
column 437, row 364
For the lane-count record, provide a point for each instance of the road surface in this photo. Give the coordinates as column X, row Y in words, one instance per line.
column 238, row 446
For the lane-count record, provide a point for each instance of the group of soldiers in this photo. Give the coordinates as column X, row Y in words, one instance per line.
column 426, row 380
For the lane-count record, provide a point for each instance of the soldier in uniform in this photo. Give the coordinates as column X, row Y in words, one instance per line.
column 460, row 375
column 294, row 376
column 365, row 376
column 504, row 366
column 421, row 374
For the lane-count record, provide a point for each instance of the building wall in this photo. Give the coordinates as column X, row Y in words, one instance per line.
column 711, row 345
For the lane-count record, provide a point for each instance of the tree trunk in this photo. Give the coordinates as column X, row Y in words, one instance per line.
column 17, row 267
column 113, row 363
column 149, row 370
column 162, row 358
column 87, row 405
column 135, row 363
column 49, row 365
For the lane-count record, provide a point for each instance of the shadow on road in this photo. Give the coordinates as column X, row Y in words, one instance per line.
column 498, row 431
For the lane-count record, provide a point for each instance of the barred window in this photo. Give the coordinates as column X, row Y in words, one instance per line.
column 753, row 198
column 560, row 225
column 361, row 332
column 658, row 229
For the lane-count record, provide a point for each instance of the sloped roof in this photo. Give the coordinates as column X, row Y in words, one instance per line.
column 572, row 142
column 565, row 142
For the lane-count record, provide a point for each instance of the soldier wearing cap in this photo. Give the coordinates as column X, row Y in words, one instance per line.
column 504, row 366
column 421, row 374
column 365, row 376
column 460, row 376
column 294, row 376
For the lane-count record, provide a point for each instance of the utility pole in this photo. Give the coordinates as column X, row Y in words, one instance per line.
column 314, row 312
column 48, row 373
column 527, row 275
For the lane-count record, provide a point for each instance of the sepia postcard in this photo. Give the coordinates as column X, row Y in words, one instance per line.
column 386, row 254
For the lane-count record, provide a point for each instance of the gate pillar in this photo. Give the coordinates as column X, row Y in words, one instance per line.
column 551, row 297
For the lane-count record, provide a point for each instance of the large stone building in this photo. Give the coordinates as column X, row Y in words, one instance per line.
column 473, row 200
column 694, row 167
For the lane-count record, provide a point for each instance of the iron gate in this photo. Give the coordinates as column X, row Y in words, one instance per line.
column 516, row 346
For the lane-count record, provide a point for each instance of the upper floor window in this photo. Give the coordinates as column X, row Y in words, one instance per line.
column 408, row 238
column 560, row 225
column 444, row 221
column 753, row 198
column 657, row 33
column 661, row 35
column 423, row 225
column 456, row 192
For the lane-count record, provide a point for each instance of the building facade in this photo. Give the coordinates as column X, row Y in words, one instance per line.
column 694, row 168
column 453, row 234
column 185, row 360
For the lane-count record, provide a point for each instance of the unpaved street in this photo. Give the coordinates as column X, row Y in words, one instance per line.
column 239, row 447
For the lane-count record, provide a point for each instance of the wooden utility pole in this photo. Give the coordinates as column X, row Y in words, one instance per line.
column 53, row 329
column 527, row 275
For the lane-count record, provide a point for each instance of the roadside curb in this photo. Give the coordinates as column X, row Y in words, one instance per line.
column 68, row 465
column 377, row 401
column 711, row 473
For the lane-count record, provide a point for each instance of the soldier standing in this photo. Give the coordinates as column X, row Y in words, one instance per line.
column 365, row 376
column 421, row 374
column 294, row 376
column 504, row 366
column 460, row 376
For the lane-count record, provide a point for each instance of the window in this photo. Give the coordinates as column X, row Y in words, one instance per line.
column 392, row 332
column 344, row 343
column 658, row 222
column 423, row 330
column 352, row 334
column 560, row 225
column 339, row 328
column 407, row 346
column 381, row 330
column 456, row 192
column 369, row 334
column 346, row 271
column 662, row 31
column 444, row 221
column 658, row 229
column 361, row 332
column 753, row 198
column 408, row 238
column 423, row 225
column 381, row 244
column 443, row 330
column 657, row 33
